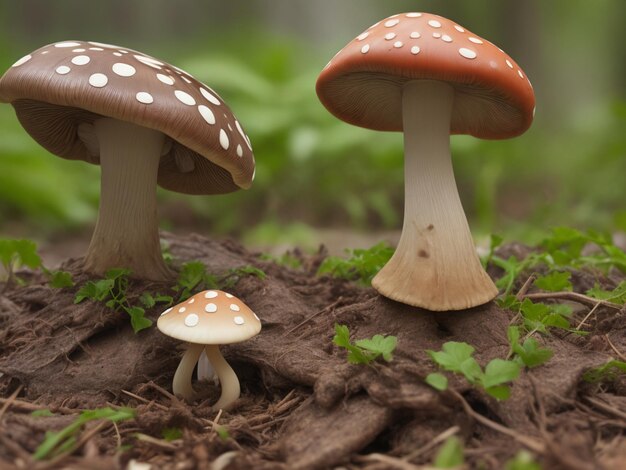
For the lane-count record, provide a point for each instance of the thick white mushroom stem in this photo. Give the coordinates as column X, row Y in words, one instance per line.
column 435, row 265
column 229, row 383
column 127, row 231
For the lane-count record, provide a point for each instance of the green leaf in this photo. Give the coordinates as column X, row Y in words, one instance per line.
column 471, row 370
column 437, row 381
column 450, row 454
column 366, row 350
column 42, row 413
column 362, row 265
column 60, row 280
column 554, row 282
column 532, row 355
column 379, row 344
column 137, row 319
column 171, row 434
column 342, row 336
column 617, row 295
column 499, row 392
column 147, row 300
column 523, row 460
column 453, row 354
column 499, row 371
column 605, row 373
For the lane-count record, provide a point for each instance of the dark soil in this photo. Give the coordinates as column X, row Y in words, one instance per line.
column 302, row 405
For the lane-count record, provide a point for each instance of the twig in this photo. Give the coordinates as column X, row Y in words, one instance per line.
column 582, row 322
column 157, row 442
column 619, row 354
column 392, row 462
column 524, row 289
column 606, row 408
column 25, row 406
column 325, row 309
column 532, row 444
column 144, row 400
column 574, row 296
column 433, row 442
column 8, row 402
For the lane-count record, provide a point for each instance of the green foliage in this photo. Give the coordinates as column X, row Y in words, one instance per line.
column 60, row 280
column 112, row 292
column 16, row 253
column 286, row 259
column 365, row 351
column 554, row 282
column 450, row 454
column 59, row 441
column 171, row 434
column 528, row 353
column 42, row 413
column 523, row 460
column 605, row 373
column 617, row 295
column 437, row 381
column 362, row 264
column 457, row 357
column 193, row 276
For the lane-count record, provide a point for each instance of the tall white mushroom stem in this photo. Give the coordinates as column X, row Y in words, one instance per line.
column 127, row 231
column 435, row 265
column 181, row 385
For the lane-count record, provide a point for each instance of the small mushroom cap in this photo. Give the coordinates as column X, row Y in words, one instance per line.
column 58, row 88
column 363, row 83
column 210, row 317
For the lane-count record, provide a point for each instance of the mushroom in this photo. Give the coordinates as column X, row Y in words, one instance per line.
column 429, row 77
column 205, row 321
column 145, row 122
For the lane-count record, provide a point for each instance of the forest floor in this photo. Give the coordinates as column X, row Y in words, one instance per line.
column 303, row 406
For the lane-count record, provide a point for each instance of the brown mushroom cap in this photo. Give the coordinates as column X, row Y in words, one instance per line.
column 210, row 317
column 363, row 83
column 62, row 85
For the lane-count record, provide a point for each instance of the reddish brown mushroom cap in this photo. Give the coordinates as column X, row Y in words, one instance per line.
column 362, row 84
column 62, row 85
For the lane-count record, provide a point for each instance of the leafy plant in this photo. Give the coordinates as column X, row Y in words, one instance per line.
column 528, row 353
column 194, row 276
column 60, row 279
column 523, row 460
column 605, row 373
column 554, row 282
column 457, row 357
column 58, row 442
column 171, row 434
column 16, row 253
column 362, row 264
column 450, row 454
column 537, row 316
column 617, row 295
column 112, row 292
column 365, row 351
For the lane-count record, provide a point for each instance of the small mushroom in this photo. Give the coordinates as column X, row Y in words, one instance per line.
column 428, row 77
column 205, row 321
column 145, row 122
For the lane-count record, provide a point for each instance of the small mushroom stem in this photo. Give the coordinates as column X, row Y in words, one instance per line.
column 181, row 385
column 435, row 265
column 229, row 382
column 127, row 231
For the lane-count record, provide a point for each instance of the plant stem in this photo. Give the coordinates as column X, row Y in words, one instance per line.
column 181, row 385
column 229, row 382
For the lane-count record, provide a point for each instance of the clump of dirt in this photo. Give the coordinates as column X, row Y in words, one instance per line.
column 302, row 406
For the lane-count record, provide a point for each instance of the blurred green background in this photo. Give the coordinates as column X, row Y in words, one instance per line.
column 319, row 179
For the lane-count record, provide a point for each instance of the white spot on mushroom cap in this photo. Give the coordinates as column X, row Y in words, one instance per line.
column 390, row 36
column 437, row 35
column 192, row 319
column 167, row 311
column 210, row 308
column 67, row 44
column 207, row 115
column 474, row 40
column 362, row 36
column 458, row 28
column 467, row 53
column 398, row 44
column 78, row 50
column 185, row 79
column 240, row 130
column 123, row 70
column 181, row 310
column 508, row 62
column 238, row 320
column 210, row 294
column 239, row 150
column 224, row 142
column 117, row 54
column 415, row 35
column 191, row 301
column 253, row 174
column 446, row 38
column 391, row 23
column 98, row 80
column 521, row 75
column 144, row 97
column 81, row 60
column 45, row 52
column 413, row 15
column 122, row 51
column 63, row 69
column 434, row 23
column 96, row 49
column 230, row 296
column 165, row 79
column 102, row 44
column 234, row 307
column 415, row 50
column 209, row 96
column 149, row 61
column 365, row 48
column 184, row 97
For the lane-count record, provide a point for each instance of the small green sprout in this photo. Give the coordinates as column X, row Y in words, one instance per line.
column 16, row 253
column 523, row 460
column 528, row 353
column 365, row 351
column 57, row 442
column 605, row 373
column 171, row 434
column 554, row 282
column 617, row 295
column 457, row 357
column 450, row 454
column 361, row 266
